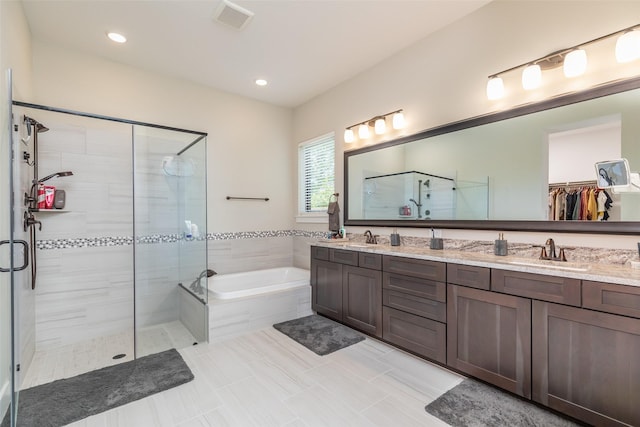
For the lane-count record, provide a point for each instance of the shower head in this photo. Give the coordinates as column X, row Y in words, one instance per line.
column 41, row 128
column 53, row 175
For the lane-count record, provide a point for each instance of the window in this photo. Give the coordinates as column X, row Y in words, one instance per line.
column 316, row 160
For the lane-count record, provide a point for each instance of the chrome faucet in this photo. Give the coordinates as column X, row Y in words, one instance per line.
column 370, row 237
column 551, row 255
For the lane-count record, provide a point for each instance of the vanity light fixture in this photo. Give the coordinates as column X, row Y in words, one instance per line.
column 261, row 82
column 575, row 63
column 495, row 88
column 531, row 77
column 573, row 60
column 379, row 124
column 628, row 46
column 116, row 37
column 363, row 131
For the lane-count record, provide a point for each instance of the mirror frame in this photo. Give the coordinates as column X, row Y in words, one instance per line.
column 588, row 227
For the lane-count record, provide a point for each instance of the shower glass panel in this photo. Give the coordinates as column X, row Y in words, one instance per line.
column 170, row 245
column 8, row 400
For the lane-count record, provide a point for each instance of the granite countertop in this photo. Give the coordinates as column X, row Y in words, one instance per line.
column 622, row 274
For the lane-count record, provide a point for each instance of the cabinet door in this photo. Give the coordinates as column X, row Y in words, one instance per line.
column 586, row 364
column 362, row 299
column 326, row 286
column 489, row 337
column 422, row 336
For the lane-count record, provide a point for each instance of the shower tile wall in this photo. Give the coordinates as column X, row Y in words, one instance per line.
column 84, row 292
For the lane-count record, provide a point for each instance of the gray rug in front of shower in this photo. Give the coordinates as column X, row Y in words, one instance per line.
column 472, row 403
column 64, row 401
column 319, row 334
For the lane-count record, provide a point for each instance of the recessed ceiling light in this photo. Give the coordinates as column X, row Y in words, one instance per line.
column 261, row 82
column 116, row 37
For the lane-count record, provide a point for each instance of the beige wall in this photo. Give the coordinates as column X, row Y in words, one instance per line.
column 248, row 142
column 442, row 79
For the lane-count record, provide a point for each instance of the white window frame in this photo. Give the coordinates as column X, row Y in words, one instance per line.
column 303, row 214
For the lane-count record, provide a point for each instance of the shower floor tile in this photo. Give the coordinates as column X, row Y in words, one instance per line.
column 75, row 359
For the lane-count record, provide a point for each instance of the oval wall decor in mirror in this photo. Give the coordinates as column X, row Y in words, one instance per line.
column 506, row 170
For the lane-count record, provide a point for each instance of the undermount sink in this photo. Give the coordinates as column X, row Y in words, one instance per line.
column 550, row 266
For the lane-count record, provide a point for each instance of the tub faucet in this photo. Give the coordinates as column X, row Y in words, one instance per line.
column 196, row 286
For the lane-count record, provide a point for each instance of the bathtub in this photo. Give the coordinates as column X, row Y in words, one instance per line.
column 250, row 283
column 253, row 300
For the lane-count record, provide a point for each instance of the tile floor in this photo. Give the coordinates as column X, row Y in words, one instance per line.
column 266, row 379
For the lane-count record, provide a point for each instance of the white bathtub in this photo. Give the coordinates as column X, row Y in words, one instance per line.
column 248, row 301
column 250, row 283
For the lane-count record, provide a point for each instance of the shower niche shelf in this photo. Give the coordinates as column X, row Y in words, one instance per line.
column 49, row 210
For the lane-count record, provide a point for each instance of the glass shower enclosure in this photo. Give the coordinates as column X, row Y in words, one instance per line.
column 170, row 244
column 122, row 266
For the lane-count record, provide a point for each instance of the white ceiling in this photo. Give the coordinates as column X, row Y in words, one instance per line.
column 302, row 47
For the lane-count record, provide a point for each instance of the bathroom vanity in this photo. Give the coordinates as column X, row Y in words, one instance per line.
column 565, row 337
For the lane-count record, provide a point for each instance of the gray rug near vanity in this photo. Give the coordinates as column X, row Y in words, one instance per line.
column 472, row 403
column 319, row 334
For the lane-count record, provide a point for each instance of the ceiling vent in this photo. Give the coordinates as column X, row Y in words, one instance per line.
column 232, row 15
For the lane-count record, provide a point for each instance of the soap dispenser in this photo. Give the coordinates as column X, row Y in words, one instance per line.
column 395, row 238
column 500, row 246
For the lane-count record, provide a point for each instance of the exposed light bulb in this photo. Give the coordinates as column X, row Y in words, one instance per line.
column 380, row 126
column 531, row 77
column 363, row 131
column 575, row 63
column 116, row 37
column 495, row 88
column 349, row 137
column 628, row 47
column 398, row 120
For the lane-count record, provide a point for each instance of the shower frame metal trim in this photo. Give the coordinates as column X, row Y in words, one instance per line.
column 103, row 117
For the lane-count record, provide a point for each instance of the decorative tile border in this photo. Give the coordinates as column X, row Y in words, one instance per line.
column 93, row 242
column 577, row 254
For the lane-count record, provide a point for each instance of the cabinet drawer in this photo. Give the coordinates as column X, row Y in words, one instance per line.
column 468, row 275
column 422, row 336
column 367, row 260
column 617, row 299
column 319, row 252
column 537, row 286
column 415, row 305
column 344, row 257
column 412, row 285
column 424, row 269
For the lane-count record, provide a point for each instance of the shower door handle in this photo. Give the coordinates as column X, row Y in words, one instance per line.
column 25, row 253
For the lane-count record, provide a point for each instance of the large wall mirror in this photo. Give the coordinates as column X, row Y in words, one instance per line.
column 523, row 169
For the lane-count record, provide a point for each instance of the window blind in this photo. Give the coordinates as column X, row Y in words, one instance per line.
column 316, row 177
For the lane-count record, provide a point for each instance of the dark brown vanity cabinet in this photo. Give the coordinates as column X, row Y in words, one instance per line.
column 586, row 363
column 489, row 337
column 414, row 306
column 345, row 291
column 326, row 286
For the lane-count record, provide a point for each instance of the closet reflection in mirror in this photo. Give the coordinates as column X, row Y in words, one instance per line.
column 504, row 170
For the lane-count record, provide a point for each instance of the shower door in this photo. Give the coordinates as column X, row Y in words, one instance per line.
column 9, row 265
column 169, row 239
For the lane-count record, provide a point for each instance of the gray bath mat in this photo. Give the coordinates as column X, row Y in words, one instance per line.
column 472, row 403
column 319, row 334
column 64, row 401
